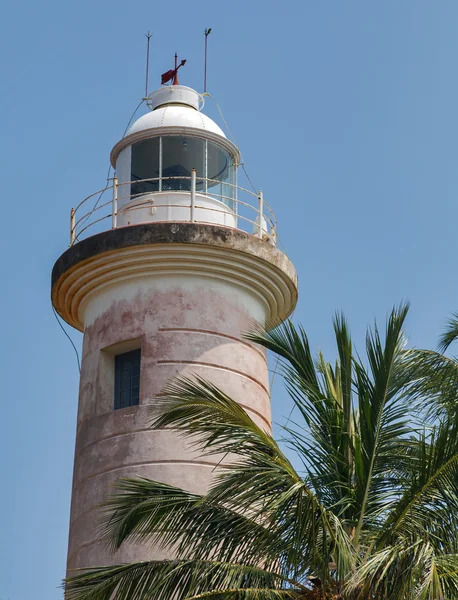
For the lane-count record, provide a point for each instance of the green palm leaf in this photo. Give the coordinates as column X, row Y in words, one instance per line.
column 433, row 381
column 259, row 480
column 430, row 499
column 194, row 525
column 180, row 579
column 374, row 516
column 450, row 334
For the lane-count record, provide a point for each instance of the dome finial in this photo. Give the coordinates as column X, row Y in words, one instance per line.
column 173, row 73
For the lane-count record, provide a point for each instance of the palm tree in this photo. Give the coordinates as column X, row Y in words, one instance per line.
column 372, row 514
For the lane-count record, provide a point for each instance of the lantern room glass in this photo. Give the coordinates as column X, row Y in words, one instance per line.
column 168, row 161
column 145, row 165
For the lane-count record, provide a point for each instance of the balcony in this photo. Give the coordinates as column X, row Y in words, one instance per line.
column 188, row 199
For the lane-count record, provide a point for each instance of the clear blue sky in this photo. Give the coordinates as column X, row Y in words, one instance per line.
column 346, row 113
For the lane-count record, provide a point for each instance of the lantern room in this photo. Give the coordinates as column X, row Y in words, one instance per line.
column 176, row 164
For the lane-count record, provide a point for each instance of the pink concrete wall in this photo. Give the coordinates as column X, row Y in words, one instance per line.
column 179, row 331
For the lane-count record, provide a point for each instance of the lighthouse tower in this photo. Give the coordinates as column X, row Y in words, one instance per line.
column 166, row 269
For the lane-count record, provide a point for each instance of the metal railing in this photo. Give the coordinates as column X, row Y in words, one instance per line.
column 251, row 214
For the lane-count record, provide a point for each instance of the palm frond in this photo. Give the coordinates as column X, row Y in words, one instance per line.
column 382, row 416
column 322, row 395
column 162, row 580
column 292, row 345
column 407, row 569
column 191, row 524
column 214, row 422
column 447, row 567
column 433, row 381
column 344, row 346
column 450, row 334
column 258, row 479
column 256, row 594
column 429, row 504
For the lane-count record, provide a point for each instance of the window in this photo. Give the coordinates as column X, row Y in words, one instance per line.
column 169, row 160
column 145, row 165
column 220, row 167
column 179, row 156
column 127, row 379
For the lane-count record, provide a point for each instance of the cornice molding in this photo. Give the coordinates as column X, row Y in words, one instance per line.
column 173, row 249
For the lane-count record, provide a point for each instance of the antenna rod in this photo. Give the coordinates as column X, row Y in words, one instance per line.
column 206, row 33
column 175, row 79
column 148, row 36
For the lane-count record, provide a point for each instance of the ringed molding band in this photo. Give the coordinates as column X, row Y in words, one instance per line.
column 150, row 249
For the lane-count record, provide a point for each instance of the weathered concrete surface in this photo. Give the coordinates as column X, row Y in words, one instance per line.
column 179, row 331
column 185, row 296
column 172, row 233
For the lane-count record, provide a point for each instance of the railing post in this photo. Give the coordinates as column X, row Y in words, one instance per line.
column 236, row 181
column 273, row 235
column 114, row 209
column 72, row 227
column 193, row 195
column 160, row 165
column 260, row 212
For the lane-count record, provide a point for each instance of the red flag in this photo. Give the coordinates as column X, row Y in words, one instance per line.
column 167, row 76
column 172, row 74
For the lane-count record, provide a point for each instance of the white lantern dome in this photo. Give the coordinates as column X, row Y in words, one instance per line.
column 175, row 106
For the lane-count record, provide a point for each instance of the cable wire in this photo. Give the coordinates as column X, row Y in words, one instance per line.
column 84, row 221
column 289, row 416
column 71, row 341
column 222, row 116
column 242, row 162
column 109, row 168
column 274, row 373
column 132, row 117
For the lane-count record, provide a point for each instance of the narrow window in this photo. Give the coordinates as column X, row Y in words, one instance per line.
column 127, row 379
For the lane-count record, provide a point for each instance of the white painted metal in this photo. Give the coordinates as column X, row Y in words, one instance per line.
column 206, row 166
column 175, row 94
column 175, row 116
column 114, row 209
column 72, row 227
column 261, row 229
column 260, row 207
column 236, row 182
column 175, row 206
column 123, row 171
column 249, row 212
column 193, row 195
column 160, row 164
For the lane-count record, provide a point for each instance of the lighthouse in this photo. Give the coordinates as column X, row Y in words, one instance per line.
column 166, row 269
